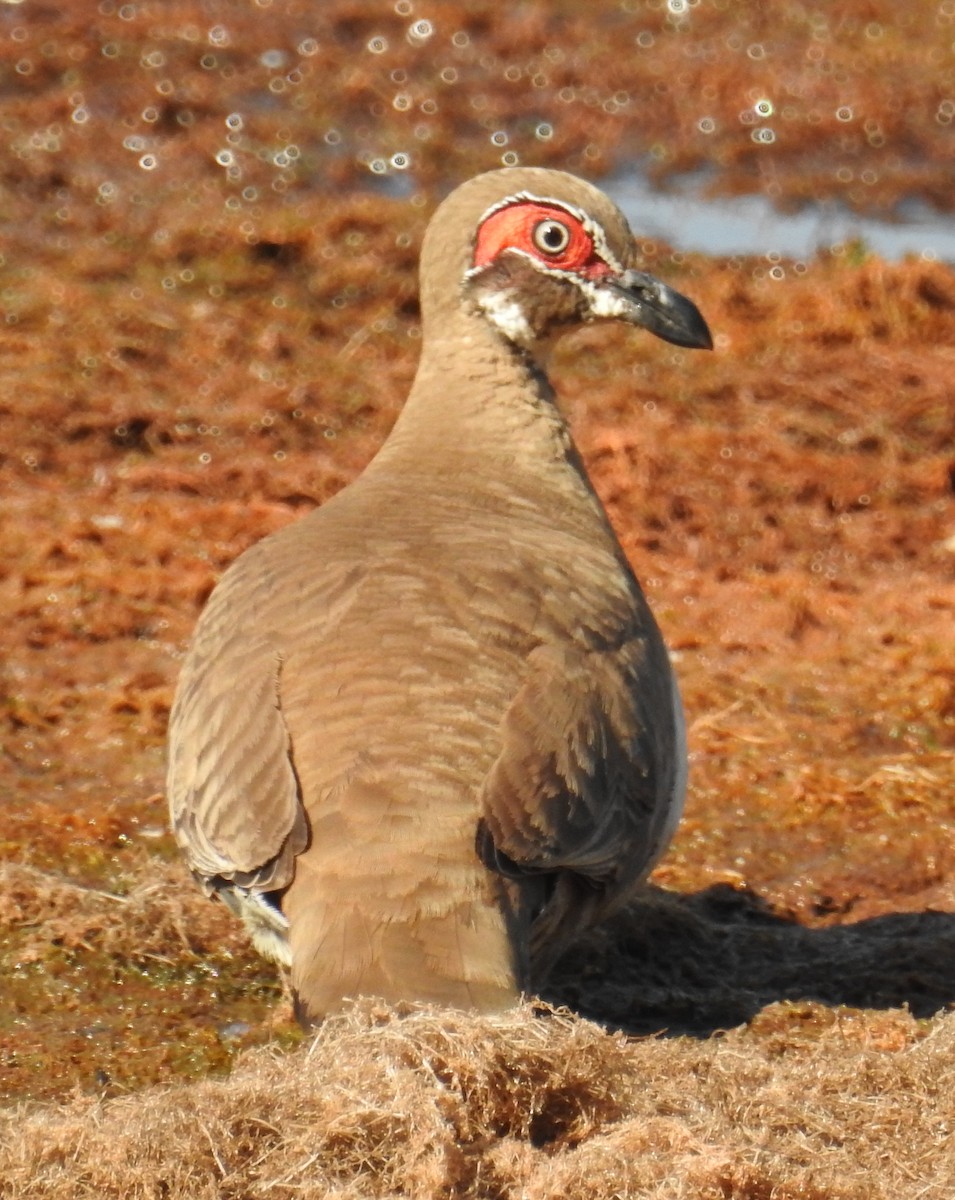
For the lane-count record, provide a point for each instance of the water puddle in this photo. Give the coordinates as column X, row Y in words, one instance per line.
column 750, row 224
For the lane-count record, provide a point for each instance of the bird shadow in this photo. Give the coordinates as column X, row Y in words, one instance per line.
column 695, row 964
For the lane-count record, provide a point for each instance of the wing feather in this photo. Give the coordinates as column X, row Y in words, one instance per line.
column 234, row 797
column 588, row 779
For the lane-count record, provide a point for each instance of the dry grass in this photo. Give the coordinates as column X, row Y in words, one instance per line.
column 154, row 915
column 847, row 1096
column 433, row 1104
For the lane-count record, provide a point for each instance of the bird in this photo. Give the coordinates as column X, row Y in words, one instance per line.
column 429, row 733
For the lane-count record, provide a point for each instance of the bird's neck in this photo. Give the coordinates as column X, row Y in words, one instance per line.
column 479, row 405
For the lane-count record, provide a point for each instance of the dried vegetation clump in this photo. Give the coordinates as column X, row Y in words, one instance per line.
column 432, row 1104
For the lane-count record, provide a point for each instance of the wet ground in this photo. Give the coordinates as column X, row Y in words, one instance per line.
column 209, row 323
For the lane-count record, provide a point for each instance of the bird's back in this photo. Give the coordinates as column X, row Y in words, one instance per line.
column 383, row 641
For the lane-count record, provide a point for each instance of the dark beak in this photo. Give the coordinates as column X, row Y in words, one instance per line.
column 662, row 310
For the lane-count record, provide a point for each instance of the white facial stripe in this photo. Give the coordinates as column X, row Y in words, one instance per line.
column 537, row 263
column 605, row 301
column 595, row 231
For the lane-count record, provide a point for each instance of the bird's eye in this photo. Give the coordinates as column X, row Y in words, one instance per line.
column 551, row 237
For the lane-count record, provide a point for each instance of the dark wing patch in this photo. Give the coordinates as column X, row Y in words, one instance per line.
column 578, row 784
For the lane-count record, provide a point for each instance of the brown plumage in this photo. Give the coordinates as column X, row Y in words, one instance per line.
column 429, row 732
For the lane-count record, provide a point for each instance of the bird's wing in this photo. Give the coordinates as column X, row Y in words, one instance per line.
column 588, row 772
column 233, row 794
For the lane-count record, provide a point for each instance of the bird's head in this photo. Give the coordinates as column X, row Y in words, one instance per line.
column 536, row 251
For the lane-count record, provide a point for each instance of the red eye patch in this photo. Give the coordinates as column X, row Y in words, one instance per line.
column 513, row 227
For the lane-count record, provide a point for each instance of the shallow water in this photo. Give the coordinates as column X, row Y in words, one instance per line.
column 751, row 225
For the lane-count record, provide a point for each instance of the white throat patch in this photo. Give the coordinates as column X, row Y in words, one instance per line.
column 506, row 314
